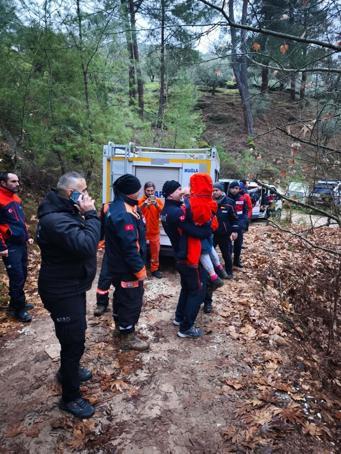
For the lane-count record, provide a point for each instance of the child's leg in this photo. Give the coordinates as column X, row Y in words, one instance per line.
column 206, row 262
column 214, row 257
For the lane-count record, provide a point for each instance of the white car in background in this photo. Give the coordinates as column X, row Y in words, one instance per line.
column 298, row 191
column 337, row 196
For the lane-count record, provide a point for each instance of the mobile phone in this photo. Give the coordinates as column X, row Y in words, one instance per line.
column 152, row 197
column 75, row 195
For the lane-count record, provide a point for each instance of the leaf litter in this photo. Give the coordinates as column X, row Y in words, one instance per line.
column 262, row 379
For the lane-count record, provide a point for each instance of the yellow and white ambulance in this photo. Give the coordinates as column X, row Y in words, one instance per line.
column 157, row 165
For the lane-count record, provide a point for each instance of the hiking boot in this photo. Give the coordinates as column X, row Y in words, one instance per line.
column 11, row 311
column 238, row 264
column 21, row 316
column 157, row 274
column 176, row 322
column 84, row 374
column 229, row 276
column 221, row 273
column 216, row 283
column 207, row 308
column 192, row 332
column 100, row 310
column 79, row 408
column 132, row 342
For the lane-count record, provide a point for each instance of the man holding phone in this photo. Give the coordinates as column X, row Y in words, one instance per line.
column 68, row 233
column 151, row 207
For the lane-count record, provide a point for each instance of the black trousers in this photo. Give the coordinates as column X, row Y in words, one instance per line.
column 16, row 267
column 103, row 286
column 237, row 248
column 127, row 304
column 191, row 295
column 69, row 317
column 225, row 245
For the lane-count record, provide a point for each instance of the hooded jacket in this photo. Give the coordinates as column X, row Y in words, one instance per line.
column 68, row 243
column 178, row 225
column 12, row 220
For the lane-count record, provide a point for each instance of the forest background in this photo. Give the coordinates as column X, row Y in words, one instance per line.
column 76, row 74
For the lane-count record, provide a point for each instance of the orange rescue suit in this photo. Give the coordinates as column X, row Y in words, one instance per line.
column 152, row 216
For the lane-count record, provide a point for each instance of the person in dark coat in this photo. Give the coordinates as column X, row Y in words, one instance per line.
column 124, row 259
column 241, row 209
column 13, row 245
column 178, row 226
column 228, row 226
column 68, row 233
column 105, row 278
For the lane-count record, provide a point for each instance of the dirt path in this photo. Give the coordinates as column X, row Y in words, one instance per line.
column 238, row 389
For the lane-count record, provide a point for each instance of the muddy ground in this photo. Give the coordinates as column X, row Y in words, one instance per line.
column 243, row 387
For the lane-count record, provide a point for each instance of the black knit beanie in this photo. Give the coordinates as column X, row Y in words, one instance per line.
column 233, row 184
column 169, row 187
column 127, row 184
column 219, row 186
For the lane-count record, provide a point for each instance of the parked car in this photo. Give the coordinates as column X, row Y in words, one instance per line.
column 337, row 196
column 323, row 192
column 298, row 191
column 260, row 201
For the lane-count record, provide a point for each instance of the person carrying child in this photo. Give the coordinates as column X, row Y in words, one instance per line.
column 203, row 209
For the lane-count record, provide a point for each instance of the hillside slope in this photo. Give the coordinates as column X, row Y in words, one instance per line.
column 270, row 155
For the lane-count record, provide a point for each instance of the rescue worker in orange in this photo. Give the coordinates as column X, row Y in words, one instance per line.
column 151, row 207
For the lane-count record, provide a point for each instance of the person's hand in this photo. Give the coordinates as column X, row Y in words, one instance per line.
column 4, row 253
column 234, row 236
column 86, row 203
column 146, row 202
column 30, row 241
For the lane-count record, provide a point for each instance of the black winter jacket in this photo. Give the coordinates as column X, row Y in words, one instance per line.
column 125, row 240
column 227, row 217
column 68, row 243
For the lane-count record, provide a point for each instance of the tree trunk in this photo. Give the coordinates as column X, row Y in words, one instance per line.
column 265, row 80
column 303, row 85
column 85, row 74
column 293, row 86
column 239, row 66
column 130, row 48
column 140, row 90
column 162, row 96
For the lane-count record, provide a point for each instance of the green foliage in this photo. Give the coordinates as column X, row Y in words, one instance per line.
column 213, row 75
column 183, row 124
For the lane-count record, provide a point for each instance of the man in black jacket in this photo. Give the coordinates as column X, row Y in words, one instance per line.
column 124, row 259
column 228, row 226
column 68, row 233
column 176, row 222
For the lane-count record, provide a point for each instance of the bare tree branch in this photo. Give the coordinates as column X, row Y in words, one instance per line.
column 323, row 147
column 291, row 70
column 266, row 31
